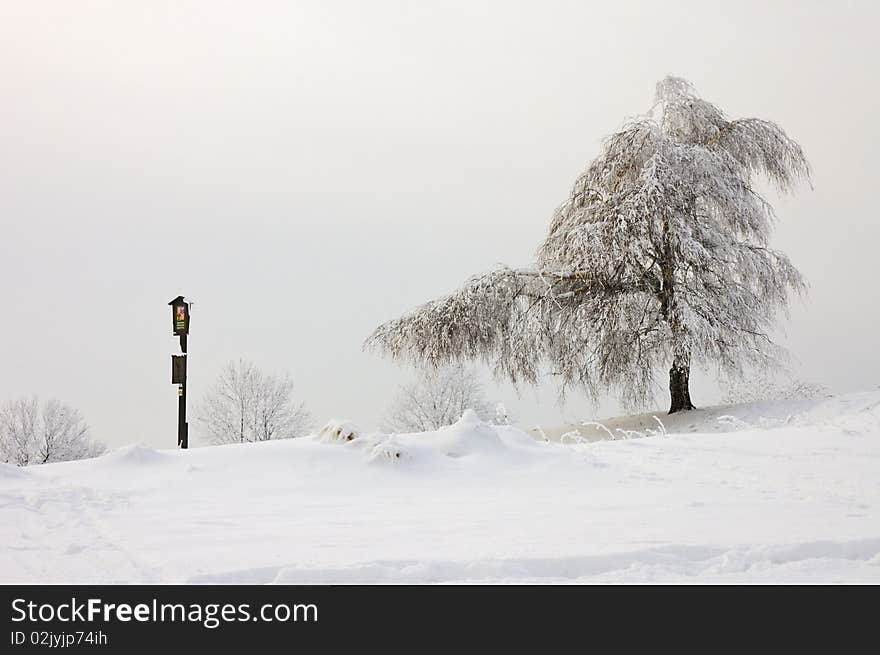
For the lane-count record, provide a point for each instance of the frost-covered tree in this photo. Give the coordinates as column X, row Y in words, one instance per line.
column 245, row 404
column 659, row 259
column 437, row 397
column 34, row 432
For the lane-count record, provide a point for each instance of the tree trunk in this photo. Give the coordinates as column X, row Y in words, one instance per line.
column 679, row 390
column 679, row 374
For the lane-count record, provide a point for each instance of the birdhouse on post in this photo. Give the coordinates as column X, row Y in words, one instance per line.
column 179, row 316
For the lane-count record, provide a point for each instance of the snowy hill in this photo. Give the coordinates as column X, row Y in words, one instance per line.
column 784, row 492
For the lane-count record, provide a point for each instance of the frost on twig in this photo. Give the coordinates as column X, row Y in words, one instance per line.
column 601, row 426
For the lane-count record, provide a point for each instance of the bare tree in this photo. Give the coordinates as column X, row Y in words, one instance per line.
column 658, row 259
column 437, row 397
column 245, row 404
column 39, row 433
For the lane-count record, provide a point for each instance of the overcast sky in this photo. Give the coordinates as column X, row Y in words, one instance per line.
column 307, row 170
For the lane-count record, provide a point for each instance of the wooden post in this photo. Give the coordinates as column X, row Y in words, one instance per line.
column 180, row 326
column 182, row 426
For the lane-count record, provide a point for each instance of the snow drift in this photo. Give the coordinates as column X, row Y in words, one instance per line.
column 786, row 492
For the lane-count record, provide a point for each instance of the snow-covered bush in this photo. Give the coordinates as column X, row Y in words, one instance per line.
column 335, row 431
column 502, row 415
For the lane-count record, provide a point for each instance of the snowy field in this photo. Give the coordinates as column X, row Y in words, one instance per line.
column 784, row 492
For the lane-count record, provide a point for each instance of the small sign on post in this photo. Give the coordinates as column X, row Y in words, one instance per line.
column 179, row 316
column 178, row 369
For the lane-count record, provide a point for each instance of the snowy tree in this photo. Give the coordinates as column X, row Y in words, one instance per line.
column 659, row 259
column 438, row 397
column 245, row 404
column 32, row 432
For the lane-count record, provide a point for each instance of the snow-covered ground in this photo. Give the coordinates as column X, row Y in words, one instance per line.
column 784, row 492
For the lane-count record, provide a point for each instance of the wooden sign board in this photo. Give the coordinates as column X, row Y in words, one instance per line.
column 178, row 369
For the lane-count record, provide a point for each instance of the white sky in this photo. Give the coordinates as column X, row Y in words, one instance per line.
column 307, row 170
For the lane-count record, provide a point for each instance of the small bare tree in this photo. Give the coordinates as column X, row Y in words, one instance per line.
column 245, row 405
column 438, row 397
column 32, row 432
